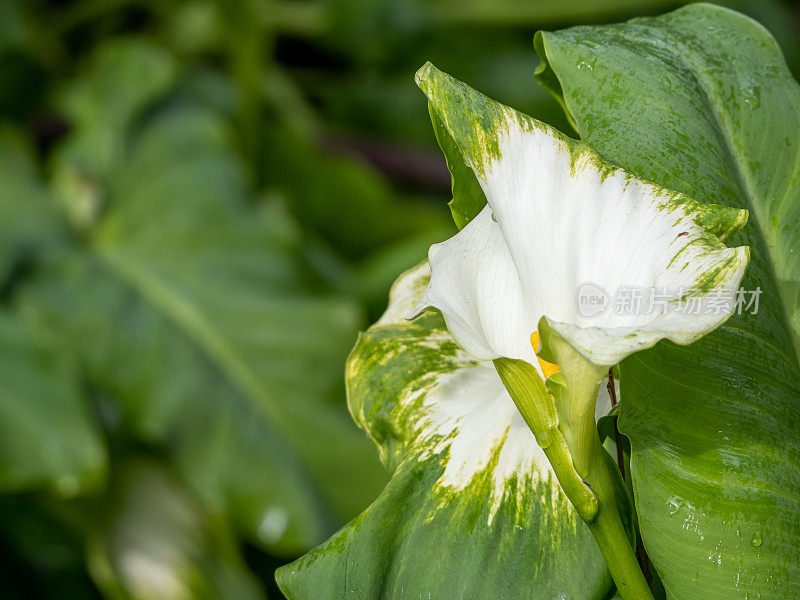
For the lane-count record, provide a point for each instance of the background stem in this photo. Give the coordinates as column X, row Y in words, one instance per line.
column 612, row 394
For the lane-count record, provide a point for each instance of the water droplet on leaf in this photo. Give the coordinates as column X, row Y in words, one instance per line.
column 674, row 505
column 752, row 96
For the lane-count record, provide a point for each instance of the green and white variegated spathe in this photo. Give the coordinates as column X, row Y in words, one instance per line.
column 558, row 218
column 471, row 491
column 462, row 409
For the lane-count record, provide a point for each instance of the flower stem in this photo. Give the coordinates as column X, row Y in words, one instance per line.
column 536, row 406
column 612, row 527
column 561, row 417
column 613, row 537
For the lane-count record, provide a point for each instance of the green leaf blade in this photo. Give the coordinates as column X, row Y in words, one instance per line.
column 30, row 225
column 48, row 434
column 700, row 100
column 187, row 304
column 470, row 491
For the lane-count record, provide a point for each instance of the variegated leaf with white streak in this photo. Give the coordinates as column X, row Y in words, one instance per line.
column 470, row 491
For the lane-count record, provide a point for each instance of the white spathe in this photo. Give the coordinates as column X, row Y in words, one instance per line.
column 468, row 418
column 557, row 219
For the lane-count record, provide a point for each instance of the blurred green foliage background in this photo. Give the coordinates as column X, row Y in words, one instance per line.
column 201, row 204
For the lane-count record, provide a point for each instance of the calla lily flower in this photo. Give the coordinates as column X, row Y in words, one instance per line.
column 559, row 220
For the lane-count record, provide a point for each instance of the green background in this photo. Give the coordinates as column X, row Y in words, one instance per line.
column 201, row 204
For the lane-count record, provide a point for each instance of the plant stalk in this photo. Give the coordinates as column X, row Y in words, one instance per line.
column 536, row 406
column 561, row 417
column 615, row 540
column 576, row 406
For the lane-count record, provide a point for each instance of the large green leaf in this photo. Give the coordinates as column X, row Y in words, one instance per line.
column 701, row 101
column 188, row 306
column 472, row 509
column 29, row 222
column 122, row 79
column 157, row 543
column 48, row 436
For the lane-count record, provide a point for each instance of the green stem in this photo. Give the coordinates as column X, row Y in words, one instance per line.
column 537, row 408
column 615, row 540
column 561, row 416
column 576, row 405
